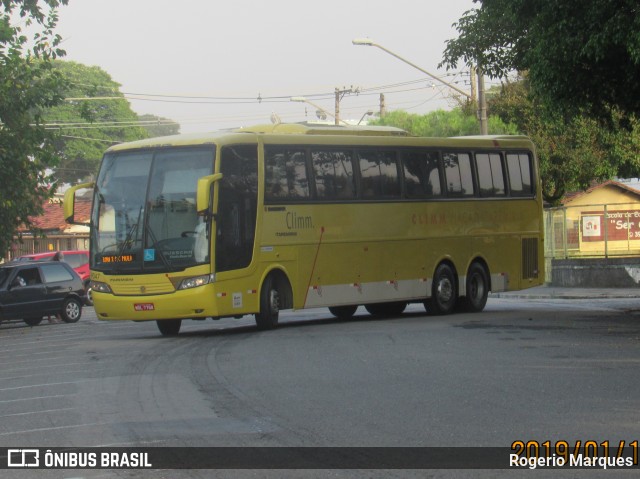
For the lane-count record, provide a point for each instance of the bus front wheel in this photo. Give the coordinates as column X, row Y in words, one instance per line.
column 443, row 291
column 267, row 318
column 169, row 327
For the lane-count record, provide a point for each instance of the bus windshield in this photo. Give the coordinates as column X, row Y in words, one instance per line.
column 144, row 213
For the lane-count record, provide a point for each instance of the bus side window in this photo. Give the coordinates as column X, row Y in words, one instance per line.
column 458, row 174
column 490, row 174
column 333, row 171
column 421, row 174
column 519, row 165
column 379, row 174
column 286, row 174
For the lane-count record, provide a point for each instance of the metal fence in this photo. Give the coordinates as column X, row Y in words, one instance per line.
column 31, row 245
column 591, row 231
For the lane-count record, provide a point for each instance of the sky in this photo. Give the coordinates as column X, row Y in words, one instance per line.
column 215, row 64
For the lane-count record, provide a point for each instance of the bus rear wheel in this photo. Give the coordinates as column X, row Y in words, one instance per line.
column 477, row 289
column 169, row 327
column 443, row 291
column 269, row 313
column 343, row 312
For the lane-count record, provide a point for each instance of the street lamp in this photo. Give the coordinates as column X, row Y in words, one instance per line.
column 366, row 113
column 370, row 43
column 319, row 108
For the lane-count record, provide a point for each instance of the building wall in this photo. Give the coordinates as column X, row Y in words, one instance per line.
column 604, row 221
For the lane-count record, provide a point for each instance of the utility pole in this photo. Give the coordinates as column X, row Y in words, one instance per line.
column 474, row 84
column 482, row 104
column 482, row 107
column 339, row 94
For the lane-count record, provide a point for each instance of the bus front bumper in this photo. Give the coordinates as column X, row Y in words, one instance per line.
column 183, row 304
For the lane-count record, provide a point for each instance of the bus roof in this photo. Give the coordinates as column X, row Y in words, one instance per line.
column 321, row 129
column 309, row 130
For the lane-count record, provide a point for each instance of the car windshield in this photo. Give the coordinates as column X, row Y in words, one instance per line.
column 30, row 258
column 144, row 212
column 4, row 274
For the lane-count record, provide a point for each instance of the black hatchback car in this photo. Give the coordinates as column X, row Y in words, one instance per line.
column 30, row 291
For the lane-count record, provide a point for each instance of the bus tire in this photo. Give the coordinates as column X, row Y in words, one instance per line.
column 395, row 308
column 169, row 327
column 477, row 289
column 443, row 291
column 267, row 317
column 343, row 312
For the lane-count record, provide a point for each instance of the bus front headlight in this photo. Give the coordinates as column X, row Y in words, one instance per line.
column 197, row 281
column 101, row 287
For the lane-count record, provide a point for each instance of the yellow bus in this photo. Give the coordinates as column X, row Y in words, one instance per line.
column 290, row 216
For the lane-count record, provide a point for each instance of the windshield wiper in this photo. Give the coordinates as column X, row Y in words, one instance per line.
column 129, row 237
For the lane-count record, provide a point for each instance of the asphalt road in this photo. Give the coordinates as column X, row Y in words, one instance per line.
column 521, row 370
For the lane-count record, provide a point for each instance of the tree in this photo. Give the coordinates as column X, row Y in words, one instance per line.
column 88, row 127
column 158, row 126
column 573, row 152
column 457, row 122
column 28, row 84
column 580, row 54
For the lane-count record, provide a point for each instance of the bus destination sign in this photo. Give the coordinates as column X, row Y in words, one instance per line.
column 118, row 258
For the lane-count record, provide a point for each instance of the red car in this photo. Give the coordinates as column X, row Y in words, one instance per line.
column 78, row 260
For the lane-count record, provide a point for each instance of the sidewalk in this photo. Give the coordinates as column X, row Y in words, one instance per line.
column 545, row 292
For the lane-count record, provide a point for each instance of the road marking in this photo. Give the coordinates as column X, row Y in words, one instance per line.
column 37, row 412
column 53, row 396
column 50, row 384
column 42, row 429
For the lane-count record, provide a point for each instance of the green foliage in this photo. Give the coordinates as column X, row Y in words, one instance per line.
column 581, row 55
column 158, row 126
column 28, row 84
column 573, row 151
column 442, row 123
column 110, row 118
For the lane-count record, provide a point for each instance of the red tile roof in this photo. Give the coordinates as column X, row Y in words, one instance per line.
column 569, row 197
column 52, row 218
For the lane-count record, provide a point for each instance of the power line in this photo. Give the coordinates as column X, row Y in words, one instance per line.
column 91, row 139
column 202, row 99
column 122, row 124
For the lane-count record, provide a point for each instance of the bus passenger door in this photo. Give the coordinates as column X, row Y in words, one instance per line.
column 237, row 207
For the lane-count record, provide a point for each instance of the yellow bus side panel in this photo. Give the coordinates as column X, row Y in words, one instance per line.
column 347, row 255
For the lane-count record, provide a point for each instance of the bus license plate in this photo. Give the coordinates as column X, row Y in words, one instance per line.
column 143, row 307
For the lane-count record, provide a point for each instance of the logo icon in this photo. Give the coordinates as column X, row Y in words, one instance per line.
column 23, row 458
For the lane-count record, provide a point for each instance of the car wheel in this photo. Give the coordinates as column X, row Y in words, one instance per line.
column 33, row 321
column 71, row 310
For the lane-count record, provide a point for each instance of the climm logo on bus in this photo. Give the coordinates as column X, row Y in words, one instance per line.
column 298, row 222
